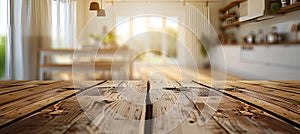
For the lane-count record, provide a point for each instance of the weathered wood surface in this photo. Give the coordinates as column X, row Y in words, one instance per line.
column 176, row 107
column 283, row 104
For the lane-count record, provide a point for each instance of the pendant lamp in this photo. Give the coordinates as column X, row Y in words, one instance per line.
column 94, row 6
column 101, row 12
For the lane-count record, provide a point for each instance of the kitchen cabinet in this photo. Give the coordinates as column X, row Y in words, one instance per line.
column 251, row 9
column 273, row 62
column 285, row 56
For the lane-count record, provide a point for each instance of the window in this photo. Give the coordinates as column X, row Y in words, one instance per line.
column 3, row 36
column 134, row 28
column 63, row 23
column 123, row 29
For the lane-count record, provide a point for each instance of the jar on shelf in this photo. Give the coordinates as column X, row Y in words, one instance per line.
column 260, row 37
column 272, row 37
column 251, row 37
column 284, row 3
column 293, row 1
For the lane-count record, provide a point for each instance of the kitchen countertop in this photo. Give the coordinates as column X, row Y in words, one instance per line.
column 149, row 107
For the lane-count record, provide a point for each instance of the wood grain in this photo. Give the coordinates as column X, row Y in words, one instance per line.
column 177, row 107
column 290, row 101
column 9, row 97
column 238, row 117
column 112, row 107
column 280, row 109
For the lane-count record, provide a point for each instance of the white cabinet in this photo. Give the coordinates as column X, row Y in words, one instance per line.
column 278, row 55
column 274, row 62
column 251, row 9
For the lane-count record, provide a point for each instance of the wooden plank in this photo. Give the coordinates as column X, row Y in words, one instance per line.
column 9, row 97
column 118, row 107
column 68, row 111
column 289, row 8
column 225, row 16
column 276, row 110
column 25, row 111
column 8, row 82
column 292, row 84
column 279, row 86
column 15, row 88
column 266, row 91
column 289, row 82
column 84, row 126
column 121, row 112
column 23, row 102
column 260, row 82
column 287, row 100
column 234, row 24
column 237, row 117
column 174, row 113
column 38, row 82
column 58, row 117
column 271, row 108
column 35, row 82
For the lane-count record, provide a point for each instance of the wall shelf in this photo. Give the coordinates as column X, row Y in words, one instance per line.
column 290, row 8
column 283, row 10
column 231, row 5
column 268, row 44
column 234, row 24
column 263, row 44
column 225, row 16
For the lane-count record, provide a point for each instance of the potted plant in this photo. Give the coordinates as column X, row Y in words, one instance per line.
column 204, row 46
column 110, row 40
column 2, row 56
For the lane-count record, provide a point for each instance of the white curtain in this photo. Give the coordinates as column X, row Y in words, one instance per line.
column 199, row 26
column 18, row 13
column 82, row 15
column 30, row 32
column 63, row 24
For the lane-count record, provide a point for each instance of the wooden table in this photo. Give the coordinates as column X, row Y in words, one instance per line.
column 149, row 107
column 93, row 60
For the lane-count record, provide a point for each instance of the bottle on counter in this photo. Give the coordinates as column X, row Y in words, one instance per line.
column 260, row 37
column 293, row 1
column 251, row 37
column 272, row 37
column 284, row 3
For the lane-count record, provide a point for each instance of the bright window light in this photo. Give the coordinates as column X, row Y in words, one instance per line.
column 139, row 25
column 172, row 23
column 155, row 22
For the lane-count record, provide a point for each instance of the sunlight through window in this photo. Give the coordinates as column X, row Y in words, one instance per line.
column 155, row 22
column 134, row 28
column 139, row 25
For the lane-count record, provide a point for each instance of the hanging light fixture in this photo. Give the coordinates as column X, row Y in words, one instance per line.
column 94, row 6
column 101, row 12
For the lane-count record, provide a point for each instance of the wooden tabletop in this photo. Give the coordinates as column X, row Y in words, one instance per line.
column 149, row 107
